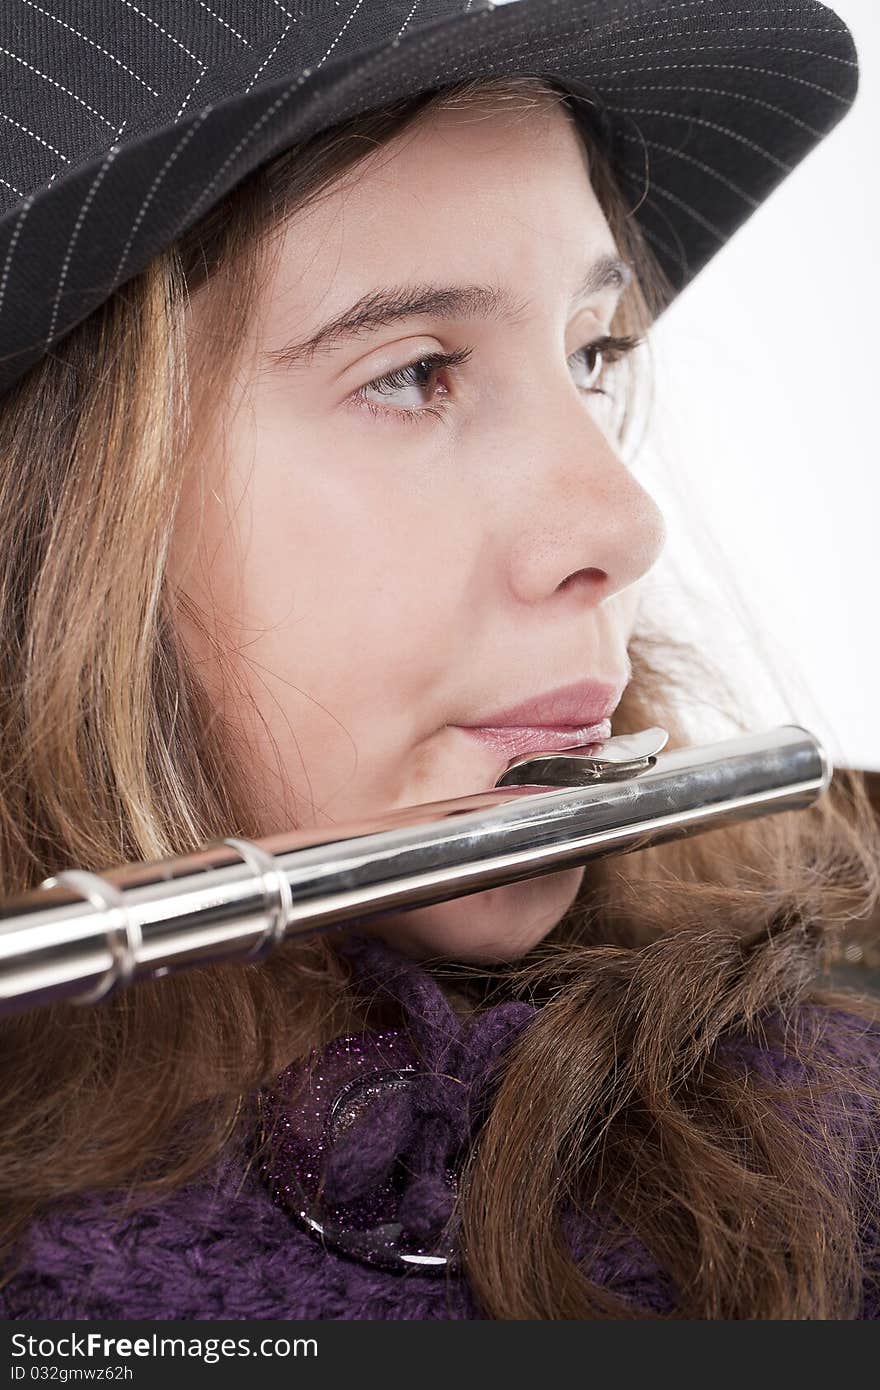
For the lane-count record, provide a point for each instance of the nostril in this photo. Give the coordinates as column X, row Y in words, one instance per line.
column 591, row 576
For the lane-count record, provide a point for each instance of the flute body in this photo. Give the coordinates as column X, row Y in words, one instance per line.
column 80, row 935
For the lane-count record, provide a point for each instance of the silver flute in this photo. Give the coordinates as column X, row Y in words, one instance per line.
column 81, row 935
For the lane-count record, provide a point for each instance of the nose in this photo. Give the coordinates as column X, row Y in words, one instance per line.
column 586, row 525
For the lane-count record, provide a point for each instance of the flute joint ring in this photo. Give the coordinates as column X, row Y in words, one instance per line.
column 277, row 895
column 123, row 935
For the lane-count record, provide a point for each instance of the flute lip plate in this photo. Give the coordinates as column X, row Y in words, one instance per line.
column 621, row 757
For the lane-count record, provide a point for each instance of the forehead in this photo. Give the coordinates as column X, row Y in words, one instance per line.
column 484, row 192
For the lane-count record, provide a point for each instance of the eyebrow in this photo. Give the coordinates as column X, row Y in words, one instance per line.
column 385, row 306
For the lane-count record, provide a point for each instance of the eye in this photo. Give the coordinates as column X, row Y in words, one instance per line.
column 590, row 358
column 596, row 357
column 416, row 378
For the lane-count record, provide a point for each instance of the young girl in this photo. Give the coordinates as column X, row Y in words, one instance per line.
column 306, row 521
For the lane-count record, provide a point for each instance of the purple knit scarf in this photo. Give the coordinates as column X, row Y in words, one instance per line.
column 368, row 1134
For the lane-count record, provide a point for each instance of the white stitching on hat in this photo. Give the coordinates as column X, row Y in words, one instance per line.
column 239, row 36
column 158, row 26
column 339, row 35
column 711, row 125
column 660, row 14
column 17, row 191
column 283, row 10
column 677, row 250
column 59, row 85
column 647, row 170
column 186, row 99
column 686, row 207
column 86, row 39
column 662, row 29
column 27, row 130
column 410, row 15
column 730, row 67
column 699, row 163
column 734, row 96
column 203, row 67
column 660, row 32
column 644, row 197
column 96, row 183
column 527, row 46
column 179, row 147
column 713, row 47
column 699, row 4
column 245, row 140
column 664, row 245
column 269, row 56
column 25, row 209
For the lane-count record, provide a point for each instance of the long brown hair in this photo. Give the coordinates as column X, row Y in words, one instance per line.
column 112, row 751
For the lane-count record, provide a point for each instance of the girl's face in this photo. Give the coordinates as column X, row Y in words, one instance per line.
column 386, row 564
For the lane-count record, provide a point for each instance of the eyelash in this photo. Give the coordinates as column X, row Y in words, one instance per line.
column 611, row 348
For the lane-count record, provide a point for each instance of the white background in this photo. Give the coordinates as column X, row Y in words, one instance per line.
column 763, row 450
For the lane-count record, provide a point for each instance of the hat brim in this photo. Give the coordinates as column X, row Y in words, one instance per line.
column 707, row 105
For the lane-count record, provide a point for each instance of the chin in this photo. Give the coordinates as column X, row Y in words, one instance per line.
column 496, row 925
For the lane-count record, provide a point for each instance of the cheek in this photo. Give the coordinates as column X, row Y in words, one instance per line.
column 356, row 571
column 340, row 600
column 329, row 564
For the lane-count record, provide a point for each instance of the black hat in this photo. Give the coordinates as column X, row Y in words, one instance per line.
column 123, row 121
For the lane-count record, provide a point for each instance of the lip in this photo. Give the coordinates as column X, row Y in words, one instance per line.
column 512, row 740
column 569, row 707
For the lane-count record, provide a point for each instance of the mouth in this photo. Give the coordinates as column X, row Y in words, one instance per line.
column 571, row 716
column 512, row 740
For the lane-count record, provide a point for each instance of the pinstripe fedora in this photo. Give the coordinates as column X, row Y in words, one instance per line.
column 123, row 121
